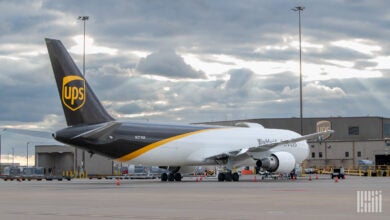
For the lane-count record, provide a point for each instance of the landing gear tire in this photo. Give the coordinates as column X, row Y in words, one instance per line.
column 171, row 177
column 228, row 177
column 236, row 177
column 177, row 177
column 164, row 177
column 221, row 177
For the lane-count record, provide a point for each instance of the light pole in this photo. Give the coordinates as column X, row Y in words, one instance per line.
column 13, row 157
column 1, row 167
column 299, row 9
column 27, row 152
column 84, row 19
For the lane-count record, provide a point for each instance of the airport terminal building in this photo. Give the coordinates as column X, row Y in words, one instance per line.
column 355, row 138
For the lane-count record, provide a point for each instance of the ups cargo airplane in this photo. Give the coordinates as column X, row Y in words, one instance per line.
column 172, row 146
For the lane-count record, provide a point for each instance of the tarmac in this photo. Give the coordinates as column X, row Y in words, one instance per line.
column 191, row 200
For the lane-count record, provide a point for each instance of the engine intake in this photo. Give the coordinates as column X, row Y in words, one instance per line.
column 281, row 162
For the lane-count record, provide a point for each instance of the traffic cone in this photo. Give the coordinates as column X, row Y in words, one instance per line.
column 309, row 177
column 316, row 176
column 254, row 179
column 118, row 182
column 336, row 179
column 200, row 179
column 197, row 179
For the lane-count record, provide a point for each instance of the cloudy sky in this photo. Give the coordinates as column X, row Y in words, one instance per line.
column 200, row 60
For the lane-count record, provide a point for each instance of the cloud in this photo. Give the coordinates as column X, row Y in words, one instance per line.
column 359, row 45
column 239, row 78
column 315, row 90
column 226, row 59
column 167, row 63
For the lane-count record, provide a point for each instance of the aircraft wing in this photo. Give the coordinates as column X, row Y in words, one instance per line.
column 320, row 136
column 38, row 134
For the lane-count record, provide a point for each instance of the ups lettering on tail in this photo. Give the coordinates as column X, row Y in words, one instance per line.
column 73, row 92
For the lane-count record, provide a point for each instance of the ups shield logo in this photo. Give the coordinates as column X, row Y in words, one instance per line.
column 73, row 92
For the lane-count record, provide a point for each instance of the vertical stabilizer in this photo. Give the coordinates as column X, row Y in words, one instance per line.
column 80, row 104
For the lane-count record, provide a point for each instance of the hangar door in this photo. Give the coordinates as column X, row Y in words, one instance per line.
column 55, row 163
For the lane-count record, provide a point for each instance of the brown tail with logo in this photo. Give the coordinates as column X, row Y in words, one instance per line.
column 80, row 104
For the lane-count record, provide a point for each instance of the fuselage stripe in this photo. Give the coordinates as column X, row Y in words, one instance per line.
column 157, row 144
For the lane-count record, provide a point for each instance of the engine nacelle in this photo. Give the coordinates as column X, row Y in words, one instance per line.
column 281, row 162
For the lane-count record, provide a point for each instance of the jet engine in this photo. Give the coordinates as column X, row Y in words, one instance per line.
column 281, row 162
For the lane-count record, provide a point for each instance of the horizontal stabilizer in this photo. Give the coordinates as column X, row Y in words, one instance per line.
column 100, row 131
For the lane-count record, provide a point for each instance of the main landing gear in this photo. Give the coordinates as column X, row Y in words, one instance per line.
column 228, row 177
column 170, row 177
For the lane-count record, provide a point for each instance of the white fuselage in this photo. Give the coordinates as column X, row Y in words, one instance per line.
column 194, row 149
